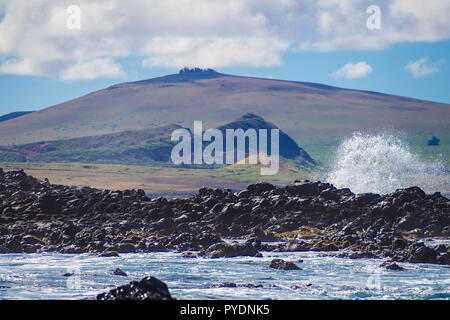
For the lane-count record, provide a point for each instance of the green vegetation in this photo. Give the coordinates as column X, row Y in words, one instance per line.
column 12, row 156
column 139, row 147
column 151, row 146
column 149, row 154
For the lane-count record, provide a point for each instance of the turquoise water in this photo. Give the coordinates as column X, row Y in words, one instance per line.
column 40, row 276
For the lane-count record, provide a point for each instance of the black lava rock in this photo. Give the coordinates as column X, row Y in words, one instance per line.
column 120, row 272
column 37, row 216
column 149, row 288
column 391, row 266
column 283, row 265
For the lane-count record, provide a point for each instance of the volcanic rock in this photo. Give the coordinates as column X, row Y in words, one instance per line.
column 149, row 288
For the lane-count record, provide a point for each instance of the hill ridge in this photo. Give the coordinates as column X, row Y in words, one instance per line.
column 307, row 111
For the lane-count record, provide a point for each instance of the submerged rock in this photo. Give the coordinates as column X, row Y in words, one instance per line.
column 391, row 266
column 109, row 254
column 120, row 272
column 234, row 285
column 226, row 285
column 283, row 265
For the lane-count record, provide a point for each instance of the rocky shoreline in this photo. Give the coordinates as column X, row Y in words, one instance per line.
column 36, row 216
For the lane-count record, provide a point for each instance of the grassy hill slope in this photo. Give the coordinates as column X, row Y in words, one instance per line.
column 142, row 147
column 151, row 146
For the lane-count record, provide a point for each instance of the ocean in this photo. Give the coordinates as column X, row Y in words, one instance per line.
column 41, row 276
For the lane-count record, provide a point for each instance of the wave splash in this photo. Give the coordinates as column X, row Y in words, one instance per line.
column 381, row 164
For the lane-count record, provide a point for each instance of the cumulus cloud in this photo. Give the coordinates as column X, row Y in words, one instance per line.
column 353, row 70
column 92, row 69
column 19, row 67
column 215, row 52
column 422, row 67
column 35, row 40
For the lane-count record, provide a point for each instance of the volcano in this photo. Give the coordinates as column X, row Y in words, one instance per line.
column 307, row 112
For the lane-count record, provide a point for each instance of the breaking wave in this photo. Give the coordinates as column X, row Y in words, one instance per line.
column 382, row 163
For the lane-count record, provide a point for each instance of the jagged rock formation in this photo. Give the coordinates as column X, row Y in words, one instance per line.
column 149, row 288
column 36, row 216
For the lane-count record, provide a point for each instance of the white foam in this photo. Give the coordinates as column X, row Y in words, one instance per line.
column 382, row 163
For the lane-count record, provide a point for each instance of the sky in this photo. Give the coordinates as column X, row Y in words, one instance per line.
column 54, row 51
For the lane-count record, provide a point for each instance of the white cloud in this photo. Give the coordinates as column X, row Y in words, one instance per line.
column 353, row 70
column 34, row 39
column 215, row 52
column 92, row 69
column 422, row 67
column 19, row 67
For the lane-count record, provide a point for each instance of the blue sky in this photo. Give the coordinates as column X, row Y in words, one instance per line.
column 43, row 62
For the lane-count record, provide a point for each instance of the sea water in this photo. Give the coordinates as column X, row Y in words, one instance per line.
column 41, row 276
